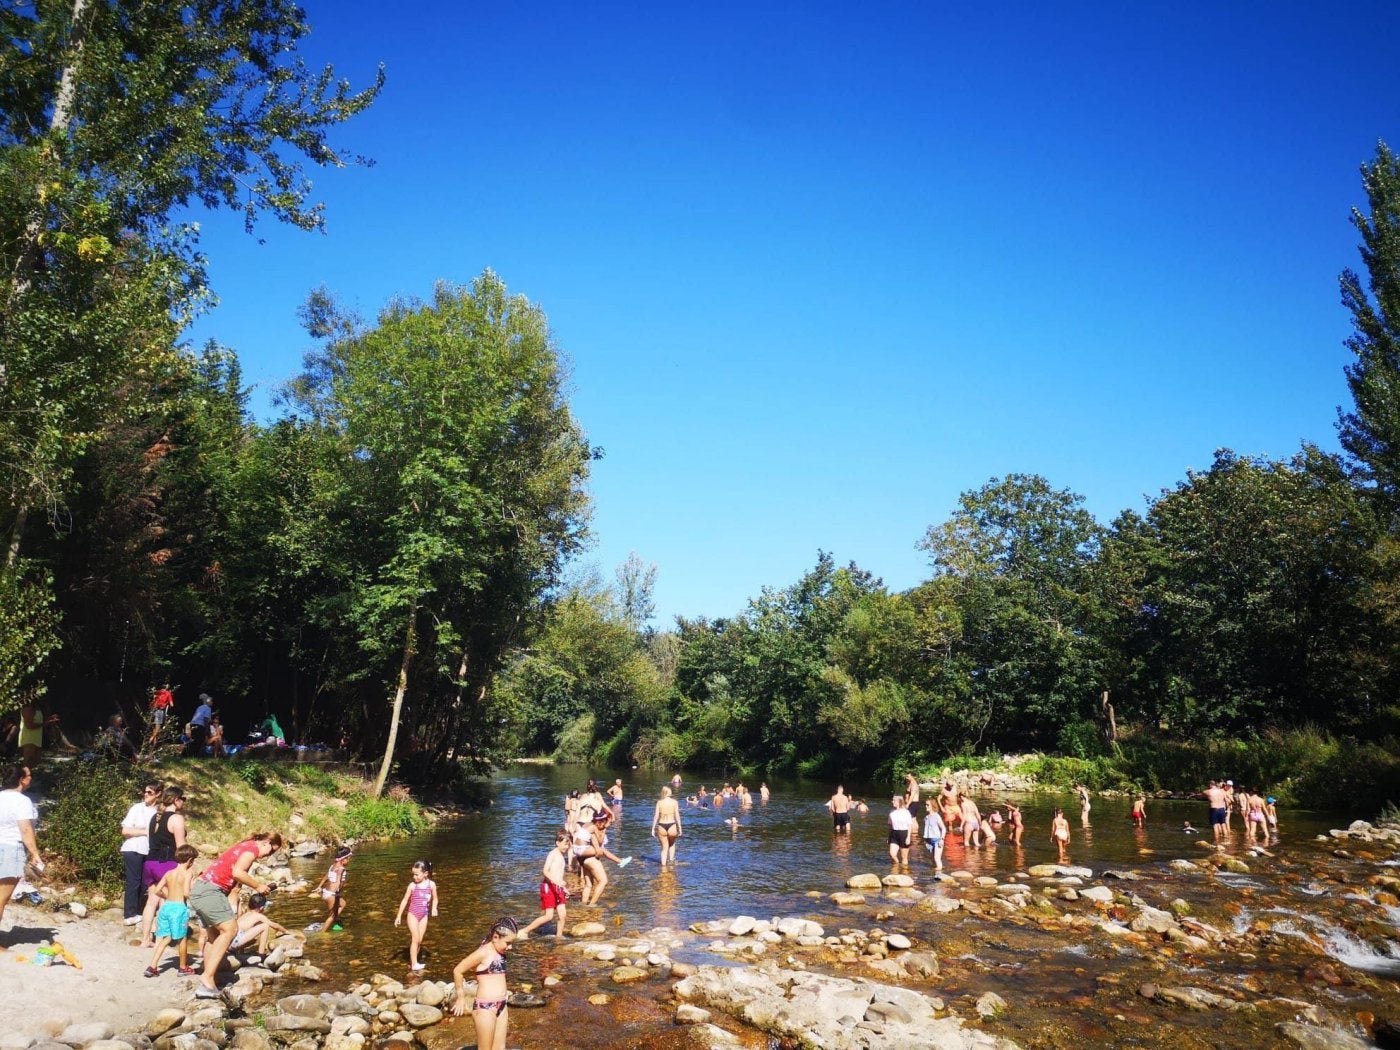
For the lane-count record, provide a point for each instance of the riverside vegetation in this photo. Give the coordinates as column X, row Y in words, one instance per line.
column 386, row 561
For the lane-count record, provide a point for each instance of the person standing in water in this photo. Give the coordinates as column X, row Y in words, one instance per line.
column 491, row 1006
column 420, row 900
column 901, row 829
column 1139, row 811
column 1059, row 833
column 1219, row 804
column 911, row 790
column 840, row 806
column 1083, row 792
column 666, row 826
column 553, row 896
column 934, row 833
column 615, row 793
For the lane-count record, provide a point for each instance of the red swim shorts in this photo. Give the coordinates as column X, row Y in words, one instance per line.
column 551, row 895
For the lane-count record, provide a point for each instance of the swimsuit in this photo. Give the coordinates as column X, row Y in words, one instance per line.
column 496, row 965
column 1062, row 834
column 498, row 1005
column 840, row 820
column 420, row 898
column 666, row 826
column 1217, row 814
column 1257, row 816
column 552, row 895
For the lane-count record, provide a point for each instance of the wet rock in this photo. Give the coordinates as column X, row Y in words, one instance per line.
column 796, row 929
column 587, row 929
column 863, row 882
column 742, row 925
column 1386, row 1035
column 689, row 1014
column 898, row 942
column 920, row 964
column 600, row 999
column 898, row 880
column 1197, row 999
column 847, row 900
column 1232, row 864
column 886, row 1012
column 1101, row 894
column 628, row 975
column 432, row 993
column 1323, row 974
column 304, row 1006
column 1152, row 920
column 941, row 905
column 1184, row 865
column 1125, row 876
column 990, row 1005
column 984, row 880
column 1309, row 1037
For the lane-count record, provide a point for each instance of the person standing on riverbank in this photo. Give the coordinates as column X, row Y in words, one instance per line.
column 666, row 826
column 553, row 895
column 166, row 833
column 173, row 919
column 199, row 726
column 840, row 806
column 491, row 1007
column 18, row 816
column 1218, row 801
column 31, row 733
column 420, row 899
column 136, row 830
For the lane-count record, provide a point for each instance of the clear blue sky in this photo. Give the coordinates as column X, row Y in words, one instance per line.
column 819, row 268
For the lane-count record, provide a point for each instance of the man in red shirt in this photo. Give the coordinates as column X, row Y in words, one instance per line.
column 161, row 704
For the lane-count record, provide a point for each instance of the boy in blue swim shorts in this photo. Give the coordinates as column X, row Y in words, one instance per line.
column 173, row 919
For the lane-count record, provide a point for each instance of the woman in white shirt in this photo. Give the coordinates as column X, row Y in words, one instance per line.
column 901, row 828
column 17, row 819
column 135, row 845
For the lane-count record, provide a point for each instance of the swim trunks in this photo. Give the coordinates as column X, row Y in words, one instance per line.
column 899, row 838
column 1217, row 814
column 840, row 820
column 552, row 895
column 173, row 920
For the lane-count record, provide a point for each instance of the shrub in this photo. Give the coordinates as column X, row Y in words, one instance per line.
column 379, row 818
column 84, row 822
column 576, row 741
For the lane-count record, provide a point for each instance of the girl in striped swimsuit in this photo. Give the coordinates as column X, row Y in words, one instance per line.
column 420, row 900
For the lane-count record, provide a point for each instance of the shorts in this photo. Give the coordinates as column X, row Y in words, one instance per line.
column 899, row 838
column 1217, row 814
column 158, row 716
column 12, row 857
column 840, row 820
column 210, row 903
column 552, row 896
column 154, row 870
column 173, row 920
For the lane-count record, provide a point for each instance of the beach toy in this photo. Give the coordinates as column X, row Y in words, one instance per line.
column 60, row 952
column 624, row 862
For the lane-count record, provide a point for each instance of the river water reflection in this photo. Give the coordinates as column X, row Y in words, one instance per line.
column 781, row 860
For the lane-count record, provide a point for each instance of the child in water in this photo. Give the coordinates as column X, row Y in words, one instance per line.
column 421, row 899
column 490, row 1008
column 1140, row 811
column 1059, row 832
column 934, row 832
column 332, row 888
column 553, row 896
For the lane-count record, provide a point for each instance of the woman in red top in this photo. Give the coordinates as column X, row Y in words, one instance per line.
column 214, row 893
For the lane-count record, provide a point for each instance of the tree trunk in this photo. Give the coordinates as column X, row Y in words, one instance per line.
column 1110, row 720
column 410, row 649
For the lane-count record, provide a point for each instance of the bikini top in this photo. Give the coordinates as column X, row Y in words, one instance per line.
column 496, row 965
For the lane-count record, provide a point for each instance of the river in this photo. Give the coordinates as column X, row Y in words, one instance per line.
column 1305, row 924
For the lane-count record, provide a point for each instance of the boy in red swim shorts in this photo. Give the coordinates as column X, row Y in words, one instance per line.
column 553, row 895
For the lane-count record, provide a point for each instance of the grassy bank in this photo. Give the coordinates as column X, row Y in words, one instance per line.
column 227, row 799
column 1299, row 767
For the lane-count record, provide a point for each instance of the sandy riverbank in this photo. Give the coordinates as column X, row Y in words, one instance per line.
column 43, row 1000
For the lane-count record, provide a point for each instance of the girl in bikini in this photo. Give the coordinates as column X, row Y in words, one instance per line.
column 490, row 1012
column 1059, row 832
column 421, row 900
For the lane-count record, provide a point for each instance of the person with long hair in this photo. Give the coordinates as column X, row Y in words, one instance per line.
column 18, row 816
column 491, row 1005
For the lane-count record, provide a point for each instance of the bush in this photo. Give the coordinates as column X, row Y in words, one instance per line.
column 381, row 818
column 84, row 823
column 576, row 741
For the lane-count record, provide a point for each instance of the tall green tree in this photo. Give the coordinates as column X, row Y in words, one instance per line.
column 459, row 488
column 1370, row 431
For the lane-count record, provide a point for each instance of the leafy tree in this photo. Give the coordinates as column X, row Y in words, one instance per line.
column 1254, row 585
column 1014, row 558
column 1370, row 432
column 458, row 486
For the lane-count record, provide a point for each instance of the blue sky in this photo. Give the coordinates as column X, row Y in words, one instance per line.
column 820, row 268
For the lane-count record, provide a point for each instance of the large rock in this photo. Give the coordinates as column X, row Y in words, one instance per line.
column 587, row 929
column 296, row 1023
column 847, row 900
column 629, row 975
column 251, row 1039
column 304, row 1006
column 1152, row 920
column 1101, row 894
column 1050, row 871
column 420, row 1016
column 866, row 881
column 164, row 1021
column 742, row 925
column 1311, row 1038
column 1197, row 999
column 901, row 881
column 82, row 1034
column 818, row 1010
column 688, row 1014
column 432, row 993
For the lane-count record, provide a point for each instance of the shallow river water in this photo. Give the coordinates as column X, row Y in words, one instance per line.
column 1301, row 925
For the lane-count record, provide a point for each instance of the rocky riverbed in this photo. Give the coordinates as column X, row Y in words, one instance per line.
column 1284, row 946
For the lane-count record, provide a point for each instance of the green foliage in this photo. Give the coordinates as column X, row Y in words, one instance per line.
column 83, row 825
column 381, row 818
column 575, row 744
column 28, row 634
